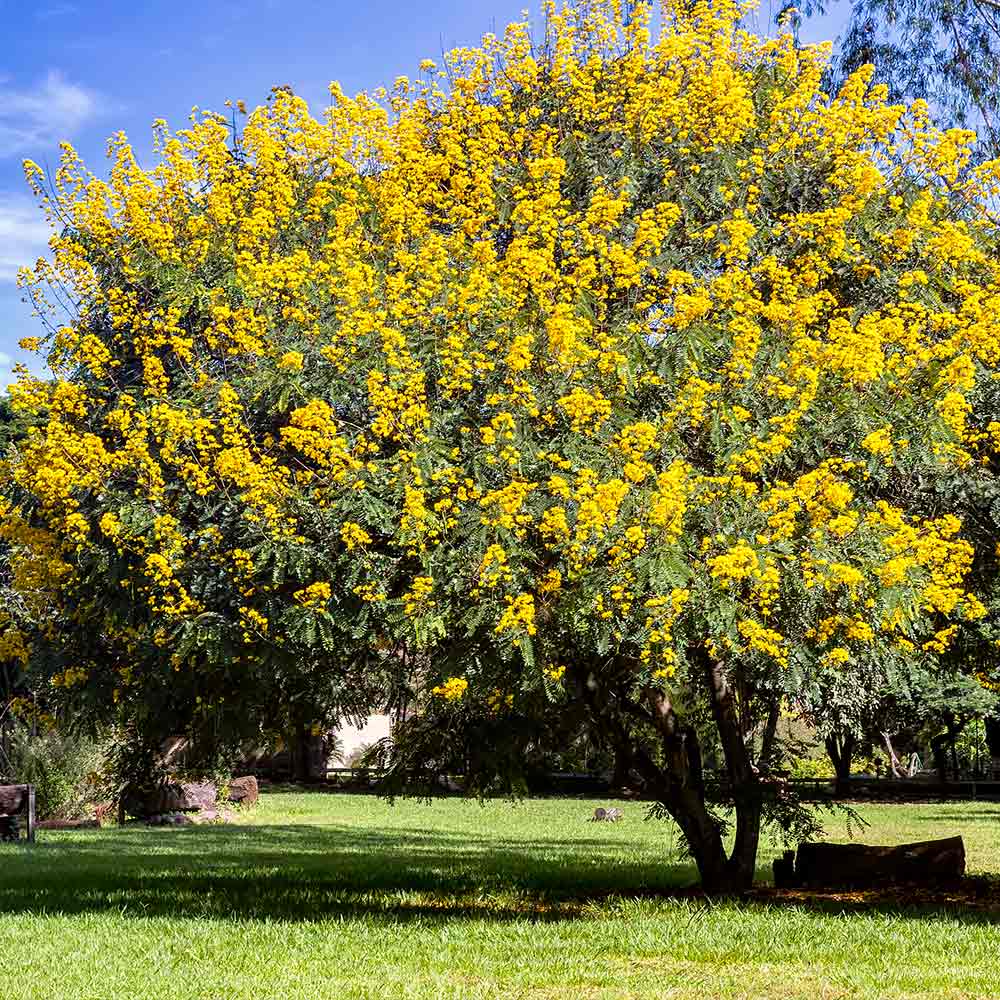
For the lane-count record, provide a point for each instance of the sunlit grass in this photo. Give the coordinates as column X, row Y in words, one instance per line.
column 314, row 896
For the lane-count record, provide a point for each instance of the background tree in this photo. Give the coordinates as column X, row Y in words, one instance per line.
column 945, row 52
column 13, row 425
column 13, row 430
column 576, row 378
column 913, row 702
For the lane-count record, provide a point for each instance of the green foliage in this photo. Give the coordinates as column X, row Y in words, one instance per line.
column 971, row 745
column 13, row 426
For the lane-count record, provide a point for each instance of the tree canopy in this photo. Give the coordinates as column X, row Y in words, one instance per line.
column 600, row 375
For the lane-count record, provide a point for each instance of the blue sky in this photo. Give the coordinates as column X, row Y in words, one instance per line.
column 82, row 70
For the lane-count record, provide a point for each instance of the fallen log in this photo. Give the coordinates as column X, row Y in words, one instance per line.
column 860, row 865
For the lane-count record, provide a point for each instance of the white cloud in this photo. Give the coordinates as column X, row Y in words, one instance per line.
column 24, row 234
column 41, row 116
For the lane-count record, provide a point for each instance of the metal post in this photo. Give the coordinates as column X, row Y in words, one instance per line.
column 31, row 813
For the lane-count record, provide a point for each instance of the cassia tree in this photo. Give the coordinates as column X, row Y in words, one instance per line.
column 586, row 373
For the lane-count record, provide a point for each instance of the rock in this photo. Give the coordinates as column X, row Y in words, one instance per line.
column 244, row 791
column 602, row 815
column 197, row 795
column 214, row 816
column 170, row 819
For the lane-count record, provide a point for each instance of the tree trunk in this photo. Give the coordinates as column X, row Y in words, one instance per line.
column 954, row 731
column 938, row 746
column 993, row 736
column 680, row 787
column 743, row 778
column 894, row 763
column 307, row 755
column 620, row 774
column 674, row 774
column 841, row 752
column 684, row 795
column 767, row 744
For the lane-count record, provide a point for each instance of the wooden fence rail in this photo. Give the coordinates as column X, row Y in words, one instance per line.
column 809, row 789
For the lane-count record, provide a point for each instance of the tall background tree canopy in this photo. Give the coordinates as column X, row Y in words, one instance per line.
column 946, row 52
column 603, row 375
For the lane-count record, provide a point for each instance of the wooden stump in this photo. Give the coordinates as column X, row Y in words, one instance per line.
column 784, row 871
column 12, row 799
column 19, row 800
column 859, row 865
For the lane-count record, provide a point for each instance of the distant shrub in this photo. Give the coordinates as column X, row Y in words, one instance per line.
column 67, row 769
column 811, row 767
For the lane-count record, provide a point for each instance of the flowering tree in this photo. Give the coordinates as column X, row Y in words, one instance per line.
column 591, row 373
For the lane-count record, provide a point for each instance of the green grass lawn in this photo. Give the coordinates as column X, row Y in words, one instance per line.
column 313, row 896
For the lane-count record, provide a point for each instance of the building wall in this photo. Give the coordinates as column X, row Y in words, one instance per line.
column 353, row 737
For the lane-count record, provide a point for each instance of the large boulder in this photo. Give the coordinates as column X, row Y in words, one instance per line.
column 190, row 796
column 244, row 791
column 197, row 795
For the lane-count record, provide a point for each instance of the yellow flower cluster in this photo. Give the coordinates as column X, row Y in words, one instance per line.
column 416, row 598
column 764, row 640
column 291, row 361
column 494, row 569
column 453, row 689
column 586, row 410
column 663, row 612
column 354, row 536
column 497, row 701
column 316, row 595
column 70, row 677
column 519, row 616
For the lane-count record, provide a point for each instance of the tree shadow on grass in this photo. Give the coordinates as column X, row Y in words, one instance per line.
column 305, row 873
column 308, row 873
